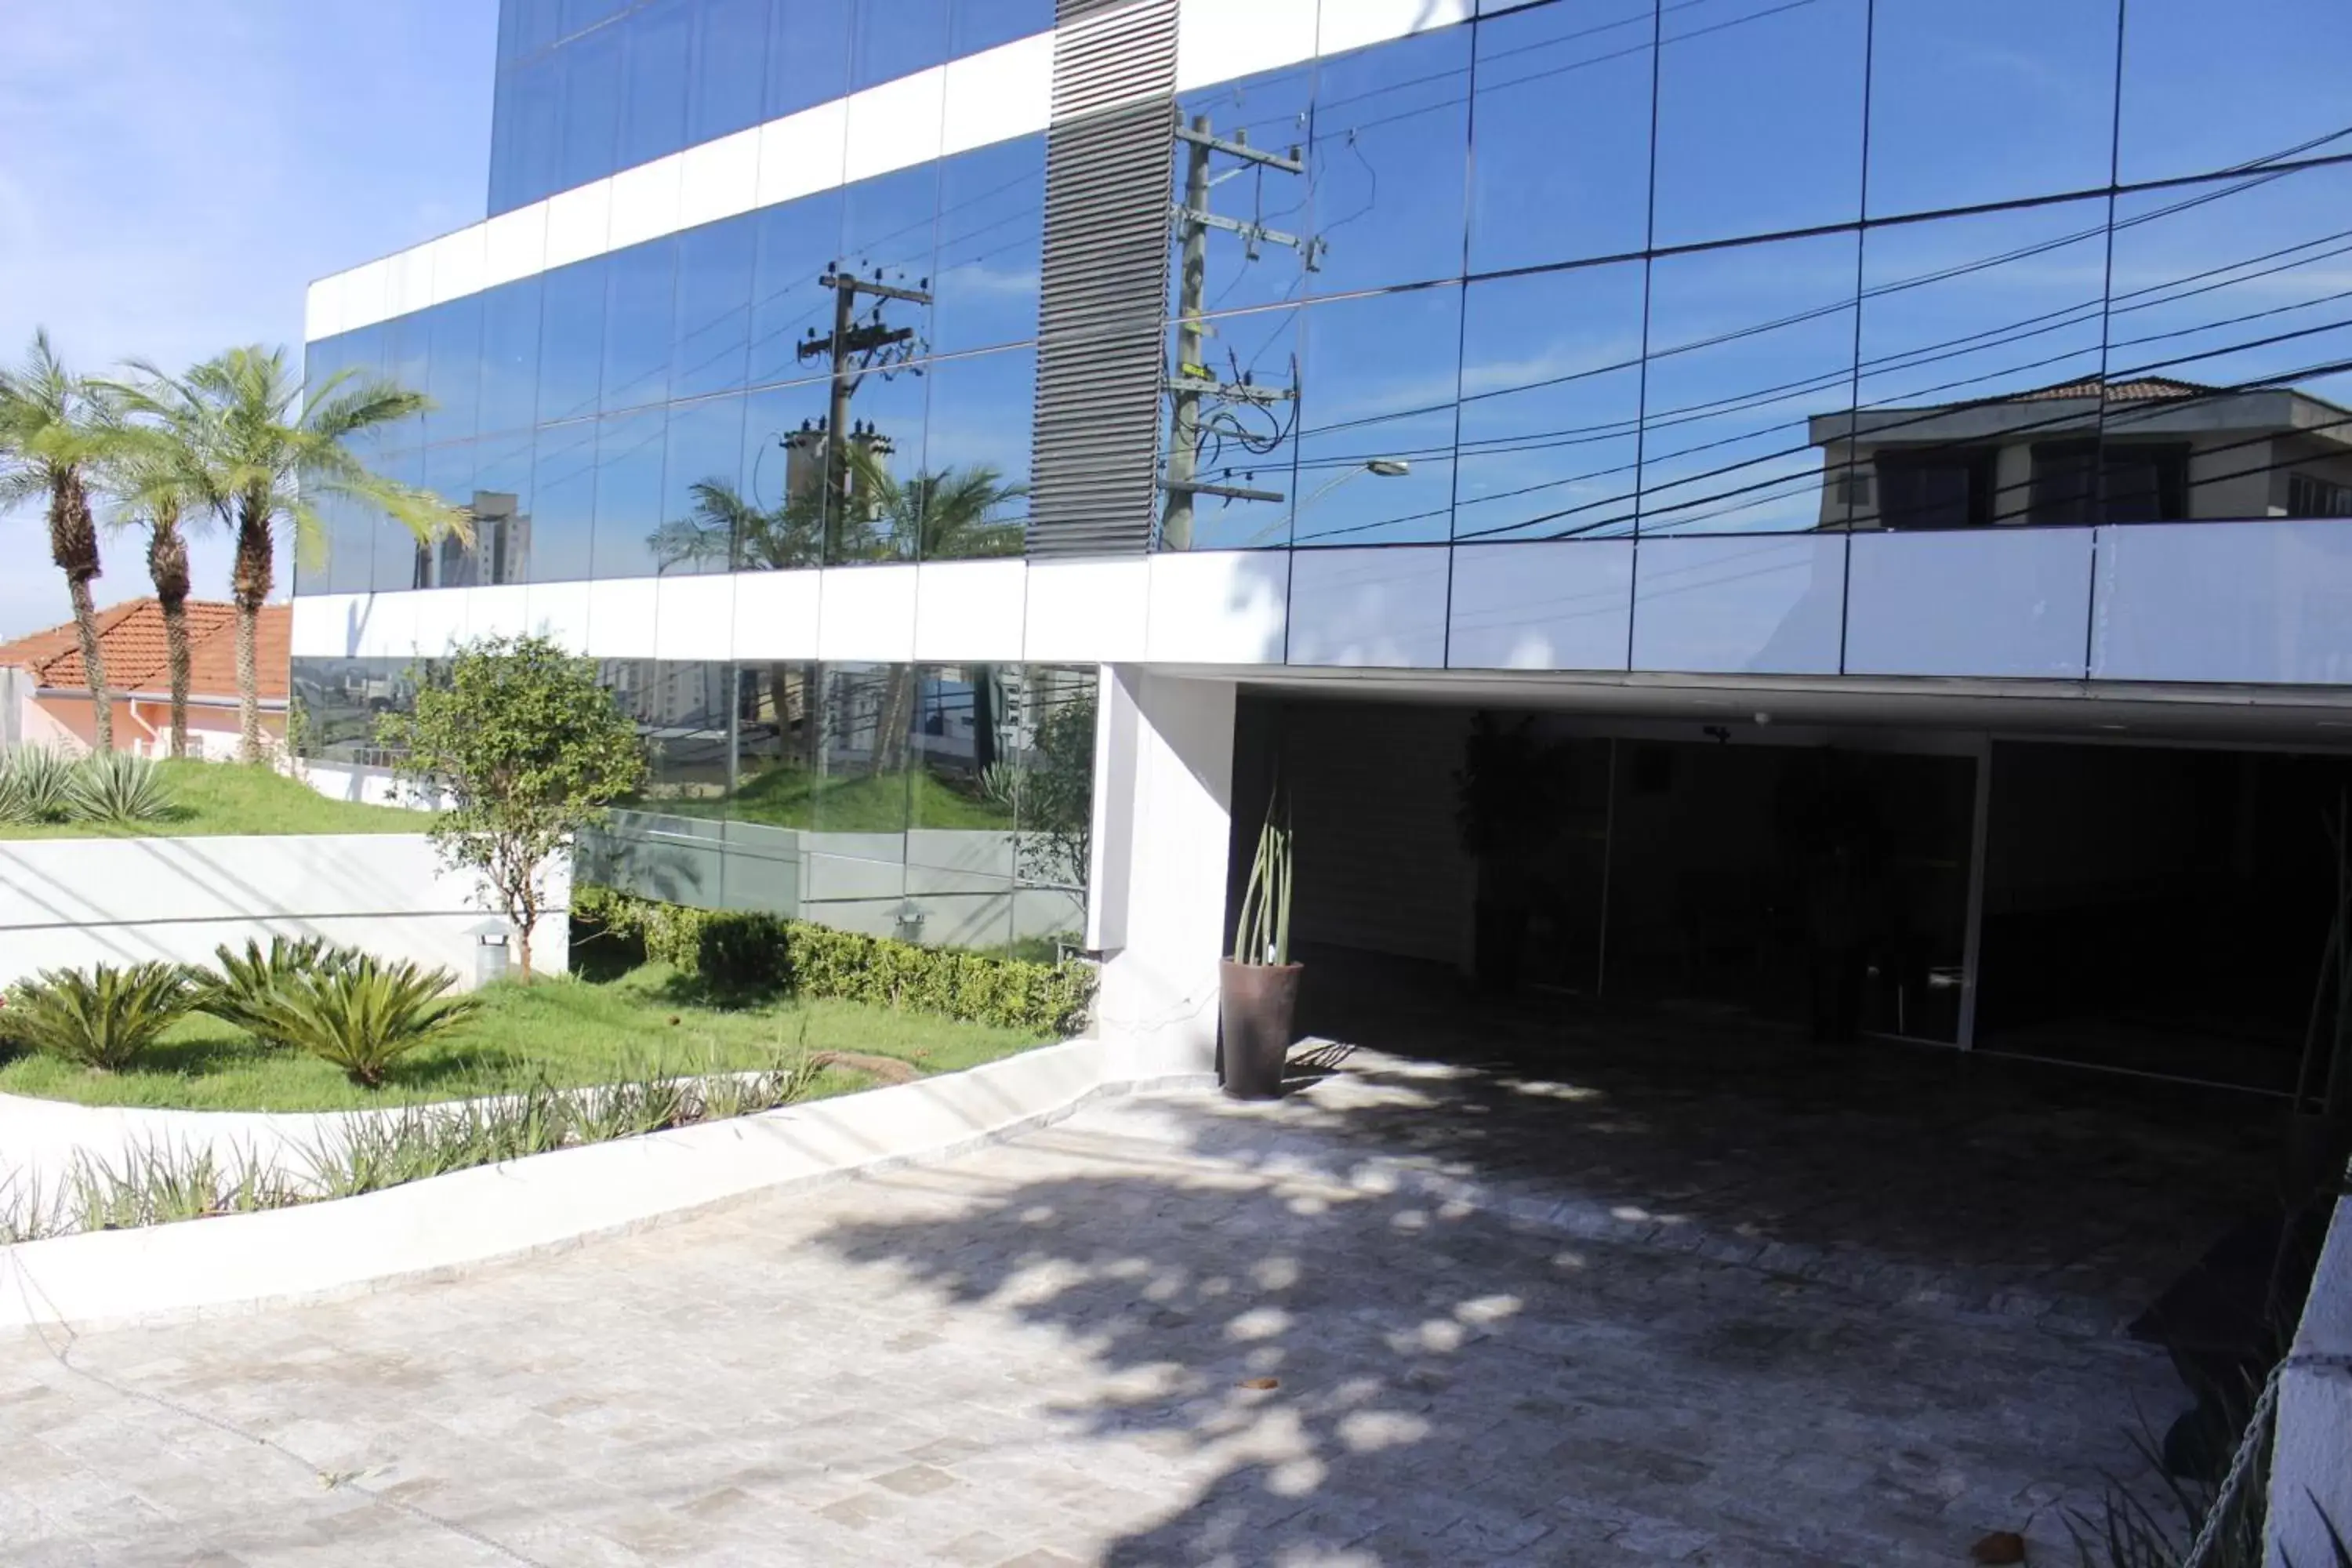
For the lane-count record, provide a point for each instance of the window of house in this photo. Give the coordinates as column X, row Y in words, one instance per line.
column 2113, row 481
column 2308, row 495
column 1936, row 489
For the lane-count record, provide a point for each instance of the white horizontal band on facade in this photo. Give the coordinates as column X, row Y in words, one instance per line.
column 974, row 101
column 2254, row 604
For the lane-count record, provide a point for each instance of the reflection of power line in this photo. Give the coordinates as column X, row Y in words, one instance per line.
column 1206, row 411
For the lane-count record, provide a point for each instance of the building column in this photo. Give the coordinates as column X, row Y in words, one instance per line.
column 1163, row 814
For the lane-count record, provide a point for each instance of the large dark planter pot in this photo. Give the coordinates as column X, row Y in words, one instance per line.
column 1258, row 1004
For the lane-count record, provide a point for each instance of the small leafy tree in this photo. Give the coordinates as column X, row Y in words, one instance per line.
column 524, row 750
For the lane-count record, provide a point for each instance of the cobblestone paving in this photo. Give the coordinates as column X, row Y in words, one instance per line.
column 1164, row 1332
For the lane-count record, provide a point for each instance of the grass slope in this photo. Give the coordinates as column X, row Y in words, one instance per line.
column 564, row 1031
column 210, row 799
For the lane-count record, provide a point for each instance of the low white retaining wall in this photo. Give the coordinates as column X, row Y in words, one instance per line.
column 440, row 1226
column 72, row 903
column 2311, row 1457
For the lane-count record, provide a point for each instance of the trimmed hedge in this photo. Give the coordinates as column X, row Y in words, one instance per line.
column 744, row 950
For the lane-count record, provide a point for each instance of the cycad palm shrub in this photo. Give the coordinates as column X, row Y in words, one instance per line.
column 104, row 1018
column 115, row 786
column 244, row 988
column 364, row 1014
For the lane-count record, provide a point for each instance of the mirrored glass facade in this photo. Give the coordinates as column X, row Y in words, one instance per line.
column 950, row 804
column 1602, row 267
column 1574, row 269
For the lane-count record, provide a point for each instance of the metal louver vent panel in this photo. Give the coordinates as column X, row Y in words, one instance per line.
column 1100, row 365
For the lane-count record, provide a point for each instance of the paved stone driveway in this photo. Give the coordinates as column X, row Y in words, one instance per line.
column 1133, row 1338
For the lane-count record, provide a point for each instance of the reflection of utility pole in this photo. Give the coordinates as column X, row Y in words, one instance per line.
column 856, row 349
column 1194, row 384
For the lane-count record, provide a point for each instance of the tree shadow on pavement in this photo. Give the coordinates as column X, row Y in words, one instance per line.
column 1293, row 1357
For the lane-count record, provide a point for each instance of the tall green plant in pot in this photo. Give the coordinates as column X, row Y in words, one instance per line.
column 1258, row 986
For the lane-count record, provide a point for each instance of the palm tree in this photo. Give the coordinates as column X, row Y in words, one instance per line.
column 49, row 436
column 267, row 453
column 157, row 479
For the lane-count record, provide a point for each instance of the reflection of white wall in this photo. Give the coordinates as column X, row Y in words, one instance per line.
column 1763, row 604
column 73, row 902
column 1982, row 602
column 1375, row 607
column 1550, row 604
column 2268, row 602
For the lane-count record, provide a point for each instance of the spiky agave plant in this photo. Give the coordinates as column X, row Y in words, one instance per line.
column 115, row 786
column 240, row 991
column 41, row 779
column 104, row 1018
column 365, row 1015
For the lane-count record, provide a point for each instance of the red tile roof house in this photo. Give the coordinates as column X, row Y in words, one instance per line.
column 45, row 693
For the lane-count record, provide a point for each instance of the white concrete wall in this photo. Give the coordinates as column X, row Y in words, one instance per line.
column 2311, row 1458
column 72, row 903
column 1161, row 872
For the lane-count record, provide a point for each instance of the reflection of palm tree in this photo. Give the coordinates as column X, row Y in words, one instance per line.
column 938, row 515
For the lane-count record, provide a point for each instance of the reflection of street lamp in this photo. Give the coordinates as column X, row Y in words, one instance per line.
column 1380, row 467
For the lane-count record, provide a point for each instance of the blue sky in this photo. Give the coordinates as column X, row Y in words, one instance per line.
column 177, row 173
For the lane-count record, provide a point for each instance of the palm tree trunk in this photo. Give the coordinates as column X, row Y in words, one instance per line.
column 73, row 545
column 167, row 565
column 249, row 584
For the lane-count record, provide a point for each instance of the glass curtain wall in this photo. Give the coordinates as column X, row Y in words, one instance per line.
column 586, row 87
column 950, row 804
column 669, row 408
column 1589, row 268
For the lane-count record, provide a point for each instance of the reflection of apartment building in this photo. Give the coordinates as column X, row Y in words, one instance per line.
column 2148, row 450
column 1318, row 434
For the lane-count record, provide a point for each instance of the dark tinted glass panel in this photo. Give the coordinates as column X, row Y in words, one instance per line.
column 1562, row 134
column 896, row 38
column 502, row 508
column 808, row 53
column 730, row 67
column 641, row 304
column 2228, row 331
column 782, row 524
column 703, row 523
column 408, row 360
column 882, row 515
column 713, row 330
column 1389, row 155
column 976, row 454
column 454, row 378
column 1551, row 405
column 347, row 540
column 1377, row 385
column 594, row 72
column 509, row 392
column 1760, row 118
column 1227, row 271
column 984, row 23
column 1230, row 437
column 570, row 340
column 2208, row 88
column 563, row 502
column 798, row 242
column 1750, row 348
column 1968, row 324
column 629, row 450
column 1989, row 101
column 527, row 157
column 991, row 235
column 652, row 109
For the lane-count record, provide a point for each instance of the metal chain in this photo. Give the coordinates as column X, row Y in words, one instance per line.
column 2257, row 1431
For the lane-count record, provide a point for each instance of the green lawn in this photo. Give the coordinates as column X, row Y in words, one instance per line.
column 213, row 798
column 843, row 802
column 566, row 1032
